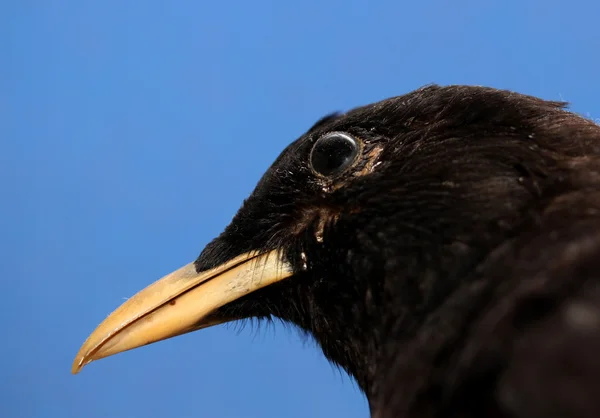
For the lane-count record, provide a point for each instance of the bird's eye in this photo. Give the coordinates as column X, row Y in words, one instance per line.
column 333, row 153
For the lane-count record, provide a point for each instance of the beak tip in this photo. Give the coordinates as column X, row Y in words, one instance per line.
column 77, row 366
column 80, row 362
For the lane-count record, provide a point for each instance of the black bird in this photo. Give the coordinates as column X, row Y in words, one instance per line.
column 442, row 247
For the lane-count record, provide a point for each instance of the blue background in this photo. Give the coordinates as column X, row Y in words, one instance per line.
column 132, row 130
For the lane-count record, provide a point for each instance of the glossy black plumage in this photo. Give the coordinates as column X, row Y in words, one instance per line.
column 457, row 275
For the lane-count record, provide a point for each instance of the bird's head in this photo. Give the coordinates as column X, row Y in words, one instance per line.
column 364, row 224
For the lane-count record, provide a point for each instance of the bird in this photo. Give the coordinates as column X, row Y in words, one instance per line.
column 441, row 246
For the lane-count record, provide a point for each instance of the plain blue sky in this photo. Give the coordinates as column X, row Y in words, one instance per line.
column 132, row 130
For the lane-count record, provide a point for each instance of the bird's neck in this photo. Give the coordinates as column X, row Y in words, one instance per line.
column 461, row 347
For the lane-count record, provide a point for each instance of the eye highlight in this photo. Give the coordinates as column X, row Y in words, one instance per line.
column 334, row 153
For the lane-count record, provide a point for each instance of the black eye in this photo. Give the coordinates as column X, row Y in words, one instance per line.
column 333, row 153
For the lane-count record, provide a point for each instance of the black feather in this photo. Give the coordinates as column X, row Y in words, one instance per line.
column 454, row 271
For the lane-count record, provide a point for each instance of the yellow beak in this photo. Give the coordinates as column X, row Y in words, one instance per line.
column 179, row 303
